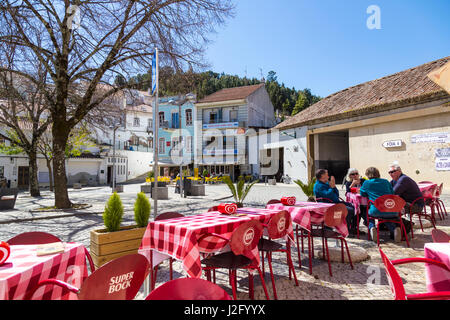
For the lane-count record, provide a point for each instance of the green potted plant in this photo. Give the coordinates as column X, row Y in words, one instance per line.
column 115, row 240
column 307, row 188
column 240, row 191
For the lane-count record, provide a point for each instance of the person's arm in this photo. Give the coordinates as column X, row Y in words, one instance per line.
column 400, row 187
column 363, row 191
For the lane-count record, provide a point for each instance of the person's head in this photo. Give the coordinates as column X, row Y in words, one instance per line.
column 372, row 173
column 352, row 174
column 322, row 175
column 395, row 171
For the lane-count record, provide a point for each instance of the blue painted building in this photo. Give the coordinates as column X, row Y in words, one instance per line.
column 175, row 113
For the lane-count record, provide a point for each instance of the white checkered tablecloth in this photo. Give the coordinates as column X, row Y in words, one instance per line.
column 178, row 237
column 24, row 269
column 306, row 214
column 357, row 200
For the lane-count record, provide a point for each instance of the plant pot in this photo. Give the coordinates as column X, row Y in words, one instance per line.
column 239, row 204
column 106, row 246
column 146, row 188
column 118, row 188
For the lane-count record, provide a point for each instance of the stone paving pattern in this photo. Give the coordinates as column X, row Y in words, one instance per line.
column 367, row 281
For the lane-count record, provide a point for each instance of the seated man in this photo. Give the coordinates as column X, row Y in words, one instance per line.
column 373, row 188
column 325, row 189
column 406, row 188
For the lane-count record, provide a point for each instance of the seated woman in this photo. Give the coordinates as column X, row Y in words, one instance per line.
column 353, row 180
column 373, row 188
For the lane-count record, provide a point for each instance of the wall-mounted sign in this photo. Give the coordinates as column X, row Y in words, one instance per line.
column 392, row 143
column 222, row 125
column 442, row 164
column 442, row 153
column 436, row 137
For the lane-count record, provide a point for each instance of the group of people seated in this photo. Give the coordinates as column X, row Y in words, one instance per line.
column 371, row 186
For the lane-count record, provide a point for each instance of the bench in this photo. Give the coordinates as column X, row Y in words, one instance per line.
column 8, row 198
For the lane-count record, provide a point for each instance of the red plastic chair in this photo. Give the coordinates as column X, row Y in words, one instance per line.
column 440, row 236
column 272, row 201
column 421, row 214
column 388, row 203
column 431, row 196
column 438, row 202
column 396, row 284
column 163, row 216
column 188, row 289
column 277, row 228
column 119, row 279
column 243, row 240
column 37, row 237
column 333, row 217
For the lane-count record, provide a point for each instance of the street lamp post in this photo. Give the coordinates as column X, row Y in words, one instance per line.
column 117, row 126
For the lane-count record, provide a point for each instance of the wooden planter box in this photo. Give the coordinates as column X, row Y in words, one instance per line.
column 106, row 246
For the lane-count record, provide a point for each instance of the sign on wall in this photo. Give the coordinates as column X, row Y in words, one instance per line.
column 442, row 159
column 436, row 137
column 392, row 143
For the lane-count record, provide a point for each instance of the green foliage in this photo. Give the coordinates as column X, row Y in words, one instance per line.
column 301, row 104
column 307, row 188
column 112, row 216
column 150, row 174
column 241, row 190
column 142, row 210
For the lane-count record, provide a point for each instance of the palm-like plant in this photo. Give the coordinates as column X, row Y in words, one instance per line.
column 307, row 188
column 239, row 191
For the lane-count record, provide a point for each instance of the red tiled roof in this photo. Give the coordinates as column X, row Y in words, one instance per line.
column 231, row 93
column 411, row 85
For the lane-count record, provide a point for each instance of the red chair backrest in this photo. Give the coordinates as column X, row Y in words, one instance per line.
column 440, row 236
column 33, row 238
column 439, row 190
column 425, row 182
column 119, row 279
column 246, row 237
column 395, row 282
column 168, row 215
column 188, row 289
column 326, row 200
column 272, row 201
column 389, row 203
column 279, row 225
column 335, row 215
column 215, row 208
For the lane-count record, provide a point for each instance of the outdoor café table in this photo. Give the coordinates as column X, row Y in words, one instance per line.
column 357, row 200
column 306, row 214
column 177, row 237
column 437, row 279
column 24, row 269
column 425, row 187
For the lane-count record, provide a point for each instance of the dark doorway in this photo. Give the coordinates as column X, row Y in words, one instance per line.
column 24, row 177
column 109, row 176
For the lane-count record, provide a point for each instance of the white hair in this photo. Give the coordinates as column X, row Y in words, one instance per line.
column 395, row 166
column 347, row 177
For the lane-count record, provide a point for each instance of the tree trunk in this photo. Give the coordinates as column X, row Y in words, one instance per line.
column 50, row 173
column 34, row 184
column 60, row 135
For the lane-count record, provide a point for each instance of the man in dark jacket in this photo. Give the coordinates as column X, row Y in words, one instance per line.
column 406, row 188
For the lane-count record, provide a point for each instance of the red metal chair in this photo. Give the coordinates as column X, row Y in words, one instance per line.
column 272, row 201
column 431, row 196
column 244, row 239
column 163, row 216
column 188, row 289
column 425, row 182
column 440, row 236
column 38, row 237
column 388, row 203
column 421, row 214
column 333, row 217
column 277, row 228
column 438, row 201
column 396, row 284
column 119, row 279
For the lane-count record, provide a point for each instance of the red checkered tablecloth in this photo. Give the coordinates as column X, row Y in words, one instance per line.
column 307, row 213
column 178, row 237
column 24, row 269
column 356, row 199
column 437, row 279
column 425, row 187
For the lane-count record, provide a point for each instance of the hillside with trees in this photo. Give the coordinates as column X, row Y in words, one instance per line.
column 288, row 101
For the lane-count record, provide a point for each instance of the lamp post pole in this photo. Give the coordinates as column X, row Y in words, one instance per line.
column 181, row 151
column 114, row 158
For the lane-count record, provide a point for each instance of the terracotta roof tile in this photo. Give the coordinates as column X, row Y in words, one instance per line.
column 231, row 93
column 410, row 84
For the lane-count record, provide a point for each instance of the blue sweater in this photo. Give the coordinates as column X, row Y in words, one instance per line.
column 373, row 189
column 323, row 190
column 408, row 189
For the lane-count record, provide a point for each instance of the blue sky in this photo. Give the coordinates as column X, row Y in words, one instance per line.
column 325, row 45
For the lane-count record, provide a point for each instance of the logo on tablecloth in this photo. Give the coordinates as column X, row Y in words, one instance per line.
column 121, row 282
column 4, row 252
column 281, row 224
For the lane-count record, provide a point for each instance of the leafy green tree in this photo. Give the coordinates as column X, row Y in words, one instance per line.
column 301, row 104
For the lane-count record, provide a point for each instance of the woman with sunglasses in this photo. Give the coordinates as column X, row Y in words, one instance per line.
column 353, row 179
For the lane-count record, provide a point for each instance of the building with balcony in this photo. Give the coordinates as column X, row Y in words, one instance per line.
column 223, row 120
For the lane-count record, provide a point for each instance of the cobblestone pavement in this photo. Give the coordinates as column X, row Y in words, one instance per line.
column 367, row 281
